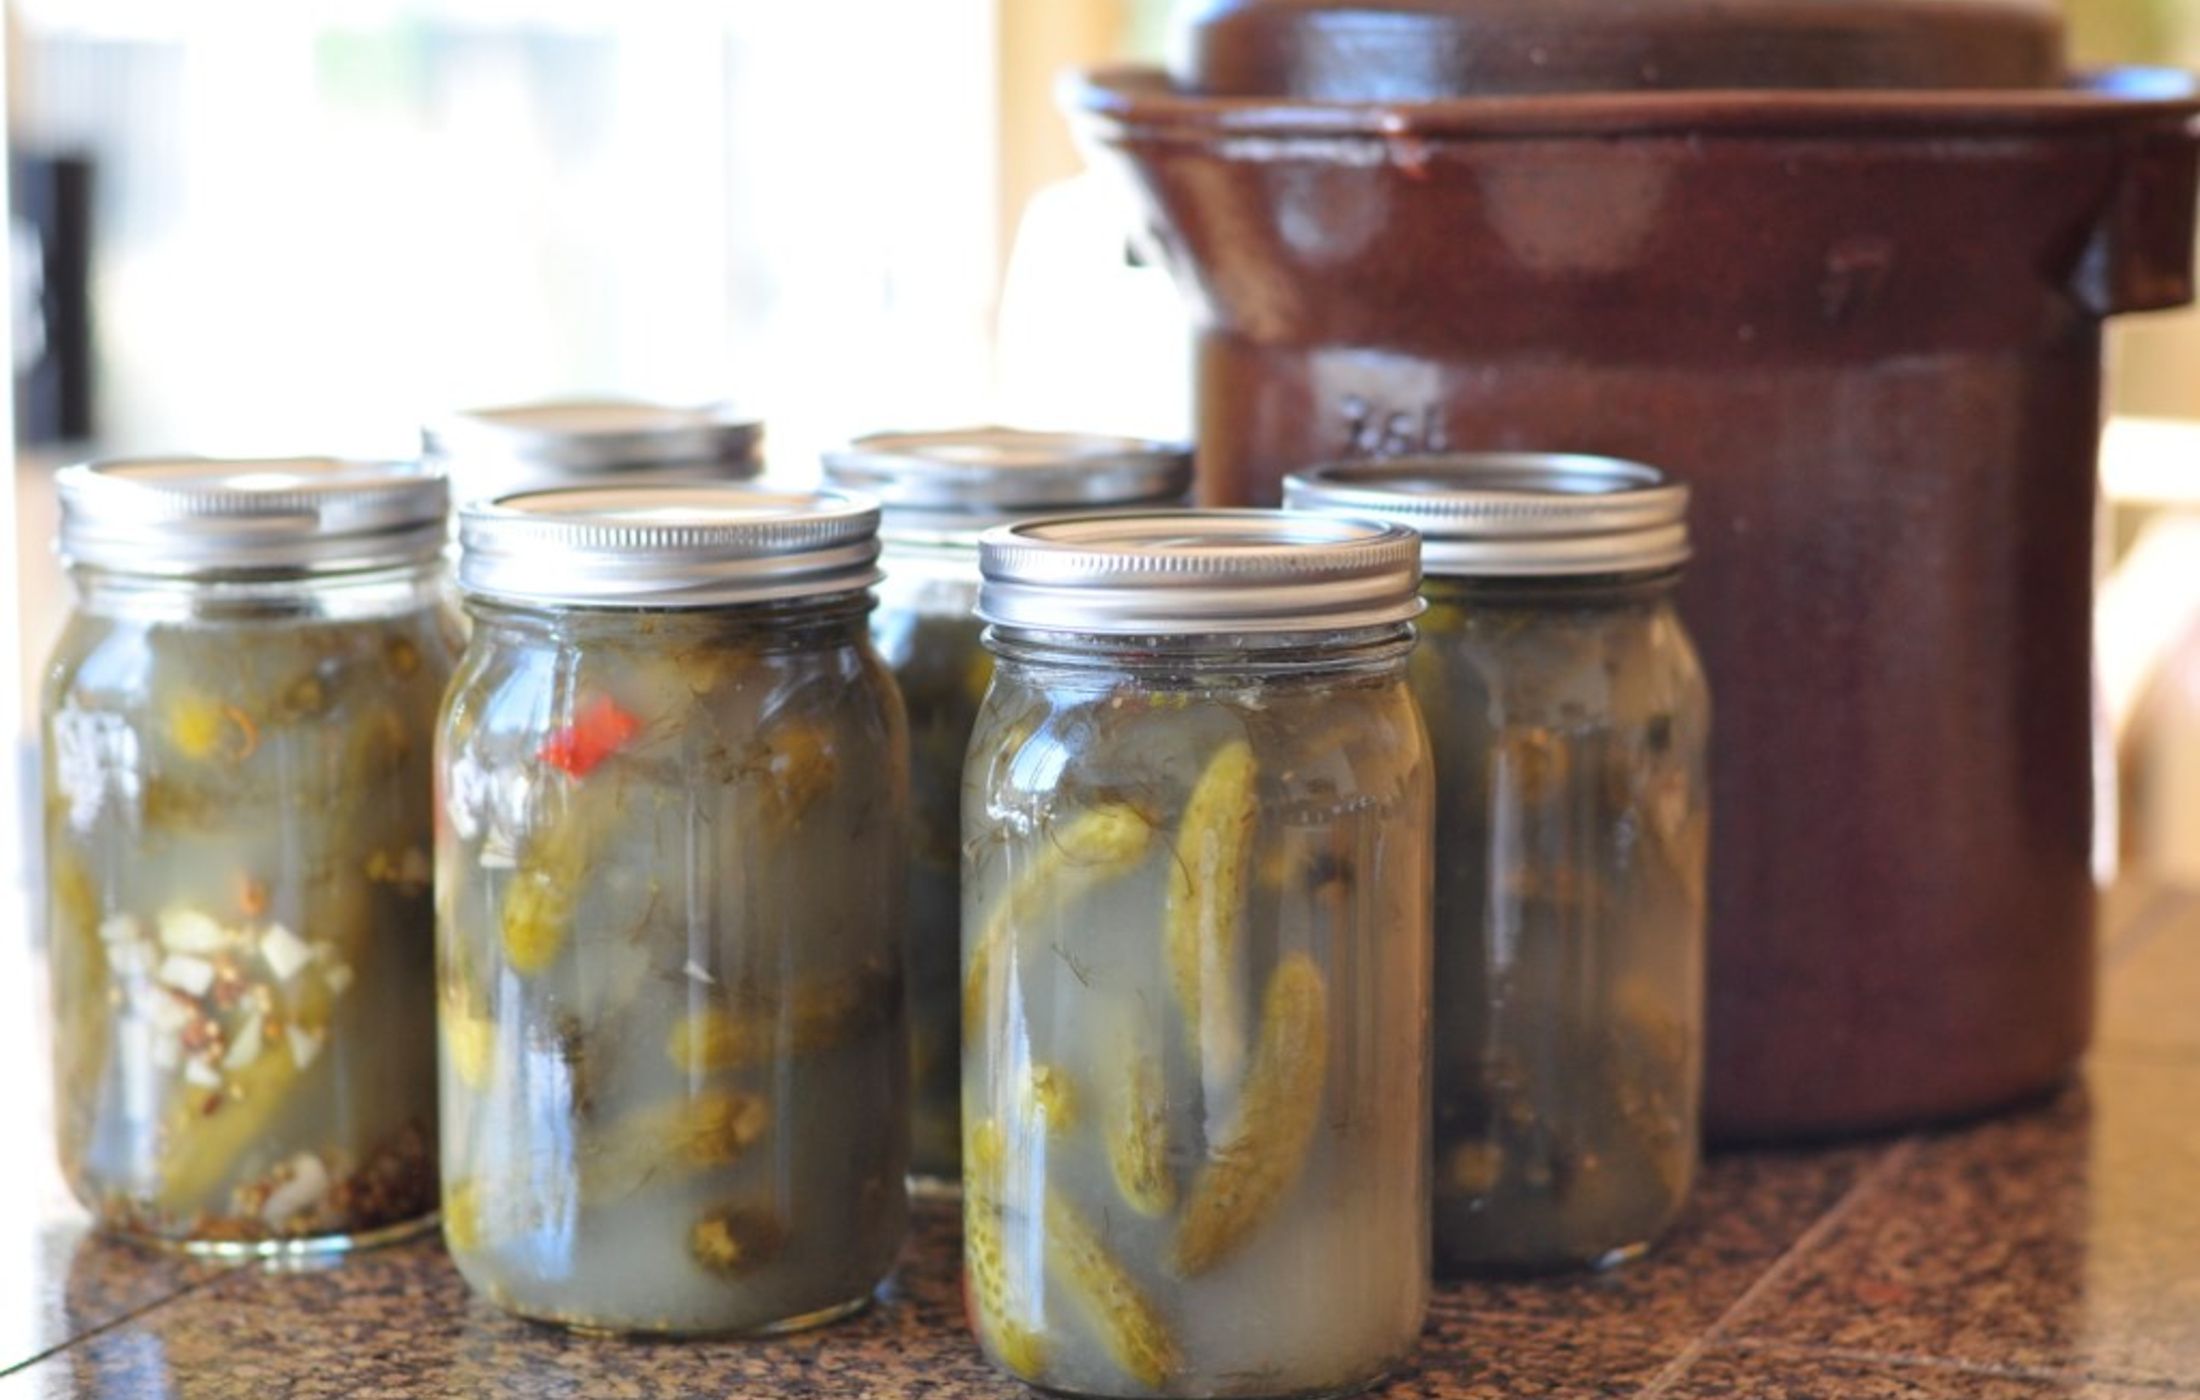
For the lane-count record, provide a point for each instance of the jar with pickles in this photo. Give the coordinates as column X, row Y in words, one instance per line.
column 491, row 452
column 1196, row 957
column 1570, row 723
column 941, row 491
column 674, row 796
column 238, row 724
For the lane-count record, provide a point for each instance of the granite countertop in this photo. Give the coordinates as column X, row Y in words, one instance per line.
column 2052, row 1252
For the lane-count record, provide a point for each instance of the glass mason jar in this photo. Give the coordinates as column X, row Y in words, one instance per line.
column 238, row 723
column 941, row 491
column 491, row 452
column 1570, row 722
column 1196, row 957
column 674, row 787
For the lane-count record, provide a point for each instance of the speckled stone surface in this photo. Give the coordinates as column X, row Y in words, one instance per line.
column 400, row 1322
column 2052, row 1253
column 1748, row 1210
column 62, row 1282
column 2065, row 1239
column 1755, row 1376
column 58, row 1282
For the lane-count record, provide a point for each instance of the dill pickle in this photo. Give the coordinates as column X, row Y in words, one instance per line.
column 1088, row 850
column 461, row 1216
column 1206, row 907
column 688, row 1134
column 1138, row 1139
column 737, row 1240
column 82, row 985
column 1051, row 1098
column 1260, row 1158
column 818, row 1013
column 540, row 901
column 469, row 1044
column 996, row 1304
column 800, row 766
column 204, row 1136
column 1130, row 1327
column 537, row 910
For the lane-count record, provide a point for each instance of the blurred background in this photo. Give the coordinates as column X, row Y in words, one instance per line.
column 305, row 225
column 270, row 227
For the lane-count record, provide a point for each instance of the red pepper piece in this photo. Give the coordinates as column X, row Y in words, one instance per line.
column 600, row 730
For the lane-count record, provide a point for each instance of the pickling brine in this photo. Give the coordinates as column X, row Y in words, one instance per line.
column 1570, row 732
column 1196, row 981
column 1570, row 721
column 674, row 1041
column 931, row 640
column 237, row 760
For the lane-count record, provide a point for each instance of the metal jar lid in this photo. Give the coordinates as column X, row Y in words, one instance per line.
column 966, row 480
column 1208, row 571
column 191, row 517
column 1514, row 513
column 666, row 545
column 570, row 442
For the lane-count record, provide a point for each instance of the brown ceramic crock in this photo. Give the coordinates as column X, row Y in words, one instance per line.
column 1850, row 285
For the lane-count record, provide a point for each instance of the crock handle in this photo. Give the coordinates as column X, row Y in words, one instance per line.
column 2141, row 254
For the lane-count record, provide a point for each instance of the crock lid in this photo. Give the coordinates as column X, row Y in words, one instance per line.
column 966, row 480
column 196, row 517
column 566, row 442
column 1513, row 514
column 666, row 545
column 1427, row 50
column 1203, row 572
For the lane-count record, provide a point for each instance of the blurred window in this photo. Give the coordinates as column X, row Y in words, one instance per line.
column 318, row 221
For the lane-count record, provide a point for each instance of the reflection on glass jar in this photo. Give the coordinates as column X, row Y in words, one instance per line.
column 1569, row 719
column 941, row 491
column 673, row 776
column 238, row 722
column 1196, row 958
